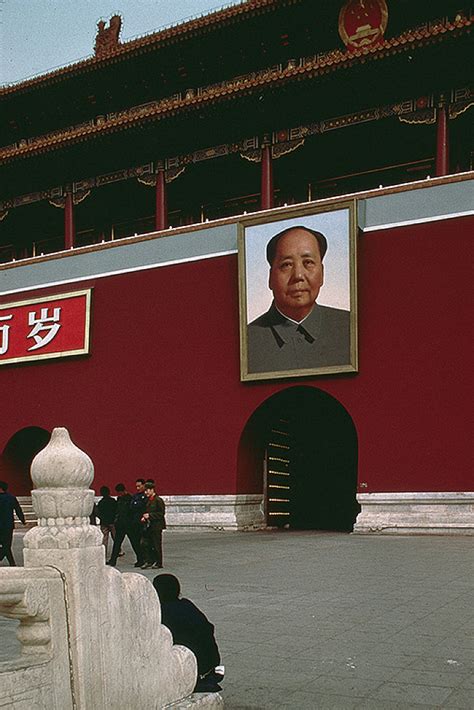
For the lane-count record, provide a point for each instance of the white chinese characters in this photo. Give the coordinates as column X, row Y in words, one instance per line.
column 48, row 325
column 45, row 328
column 4, row 334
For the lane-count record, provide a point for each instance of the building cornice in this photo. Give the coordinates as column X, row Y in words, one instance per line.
column 237, row 87
column 419, row 110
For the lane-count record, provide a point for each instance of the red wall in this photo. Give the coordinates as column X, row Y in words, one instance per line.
column 160, row 394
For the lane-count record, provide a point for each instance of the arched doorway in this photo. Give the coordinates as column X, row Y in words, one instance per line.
column 304, row 444
column 17, row 456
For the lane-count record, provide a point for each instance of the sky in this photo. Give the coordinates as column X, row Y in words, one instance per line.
column 37, row 36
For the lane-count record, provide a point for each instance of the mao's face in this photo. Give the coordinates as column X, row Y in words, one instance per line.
column 149, row 492
column 296, row 275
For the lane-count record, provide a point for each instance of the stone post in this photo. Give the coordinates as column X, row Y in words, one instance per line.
column 65, row 540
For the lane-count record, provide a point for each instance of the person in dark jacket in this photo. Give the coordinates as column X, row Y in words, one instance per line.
column 8, row 505
column 124, row 526
column 106, row 511
column 93, row 515
column 137, row 506
column 190, row 628
column 153, row 521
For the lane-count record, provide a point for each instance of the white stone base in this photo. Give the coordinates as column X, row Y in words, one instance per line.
column 214, row 512
column 217, row 512
column 416, row 513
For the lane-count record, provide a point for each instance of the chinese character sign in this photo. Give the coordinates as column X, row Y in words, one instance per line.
column 51, row 327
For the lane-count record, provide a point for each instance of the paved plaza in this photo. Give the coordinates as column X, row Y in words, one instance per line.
column 309, row 620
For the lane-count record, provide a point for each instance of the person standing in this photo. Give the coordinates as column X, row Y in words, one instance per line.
column 153, row 520
column 8, row 505
column 106, row 512
column 93, row 515
column 124, row 526
column 137, row 507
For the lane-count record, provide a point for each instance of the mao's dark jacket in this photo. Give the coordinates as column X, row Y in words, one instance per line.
column 321, row 340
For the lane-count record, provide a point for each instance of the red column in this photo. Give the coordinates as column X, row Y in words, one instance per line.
column 442, row 140
column 69, row 230
column 161, row 211
column 267, row 177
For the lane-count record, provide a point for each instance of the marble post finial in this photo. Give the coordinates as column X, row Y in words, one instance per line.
column 62, row 500
column 61, row 464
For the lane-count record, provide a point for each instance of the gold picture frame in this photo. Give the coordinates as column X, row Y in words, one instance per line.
column 272, row 345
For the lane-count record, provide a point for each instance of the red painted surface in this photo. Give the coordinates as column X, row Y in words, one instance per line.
column 160, row 393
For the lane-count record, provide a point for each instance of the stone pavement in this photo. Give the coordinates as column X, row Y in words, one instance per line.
column 310, row 620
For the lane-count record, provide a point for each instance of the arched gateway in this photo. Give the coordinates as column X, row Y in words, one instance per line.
column 16, row 458
column 303, row 444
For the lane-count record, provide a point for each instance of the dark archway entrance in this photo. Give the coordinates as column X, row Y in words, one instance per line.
column 305, row 443
column 17, row 456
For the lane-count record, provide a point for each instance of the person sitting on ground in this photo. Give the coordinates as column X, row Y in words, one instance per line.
column 190, row 628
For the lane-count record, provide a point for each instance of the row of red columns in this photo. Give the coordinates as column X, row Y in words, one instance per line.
column 267, row 197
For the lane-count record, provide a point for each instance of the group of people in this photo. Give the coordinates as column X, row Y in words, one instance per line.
column 139, row 516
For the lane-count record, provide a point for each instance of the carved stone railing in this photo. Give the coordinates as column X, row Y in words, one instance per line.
column 36, row 598
column 91, row 637
column 28, row 600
